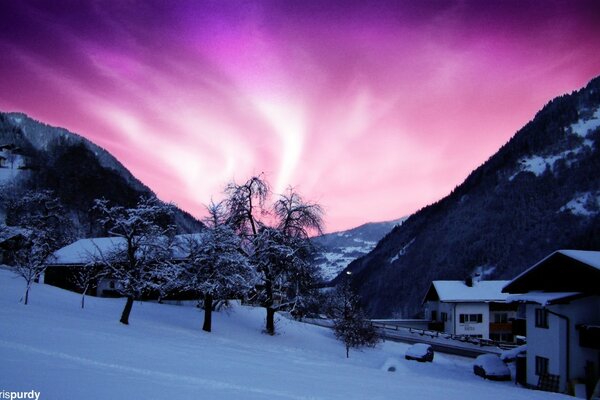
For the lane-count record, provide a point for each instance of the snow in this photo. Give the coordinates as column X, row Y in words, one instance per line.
column 584, row 204
column 492, row 364
column 591, row 258
column 402, row 251
column 54, row 347
column 418, row 350
column 538, row 164
column 542, row 298
column 84, row 250
column 511, row 354
column 584, row 126
column 458, row 291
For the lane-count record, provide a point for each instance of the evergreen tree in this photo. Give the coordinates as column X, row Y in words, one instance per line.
column 349, row 322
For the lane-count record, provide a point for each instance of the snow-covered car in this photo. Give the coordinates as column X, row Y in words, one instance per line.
column 420, row 352
column 490, row 366
column 511, row 354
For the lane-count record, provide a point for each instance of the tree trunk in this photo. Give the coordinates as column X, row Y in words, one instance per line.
column 270, row 320
column 269, row 306
column 208, row 306
column 27, row 294
column 127, row 311
column 83, row 296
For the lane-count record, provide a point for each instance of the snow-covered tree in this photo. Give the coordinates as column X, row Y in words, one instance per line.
column 277, row 241
column 142, row 250
column 217, row 267
column 45, row 229
column 84, row 278
column 349, row 322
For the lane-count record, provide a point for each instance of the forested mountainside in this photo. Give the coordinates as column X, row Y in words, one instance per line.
column 42, row 157
column 540, row 192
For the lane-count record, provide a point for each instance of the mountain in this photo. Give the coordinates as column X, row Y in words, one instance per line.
column 540, row 192
column 337, row 250
column 34, row 155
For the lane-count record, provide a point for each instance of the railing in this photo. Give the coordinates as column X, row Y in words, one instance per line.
column 436, row 334
column 501, row 327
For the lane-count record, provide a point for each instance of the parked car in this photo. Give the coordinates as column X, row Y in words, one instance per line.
column 420, row 352
column 490, row 366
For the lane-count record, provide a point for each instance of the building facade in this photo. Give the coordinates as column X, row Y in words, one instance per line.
column 562, row 298
column 470, row 308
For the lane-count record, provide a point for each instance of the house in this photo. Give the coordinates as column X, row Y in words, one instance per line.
column 562, row 298
column 470, row 308
column 68, row 261
column 11, row 239
column 2, row 161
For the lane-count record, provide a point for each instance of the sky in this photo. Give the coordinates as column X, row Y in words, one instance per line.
column 372, row 109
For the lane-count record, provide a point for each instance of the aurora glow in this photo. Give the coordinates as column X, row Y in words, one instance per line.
column 374, row 109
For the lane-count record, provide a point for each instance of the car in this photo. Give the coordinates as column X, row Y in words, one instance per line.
column 420, row 352
column 490, row 366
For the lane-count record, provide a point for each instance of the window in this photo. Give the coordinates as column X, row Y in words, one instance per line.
column 541, row 318
column 466, row 318
column 501, row 318
column 111, row 284
column 541, row 365
column 444, row 316
column 434, row 315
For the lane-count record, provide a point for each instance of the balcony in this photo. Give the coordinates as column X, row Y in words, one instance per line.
column 503, row 327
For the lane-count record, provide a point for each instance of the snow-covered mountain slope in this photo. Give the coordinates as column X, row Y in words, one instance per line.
column 539, row 193
column 337, row 250
column 55, row 348
column 44, row 137
column 36, row 155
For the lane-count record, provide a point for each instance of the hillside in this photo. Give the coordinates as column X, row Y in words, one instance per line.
column 540, row 192
column 54, row 347
column 338, row 249
column 77, row 170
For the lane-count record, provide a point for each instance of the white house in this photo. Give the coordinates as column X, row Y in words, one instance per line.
column 470, row 308
column 562, row 297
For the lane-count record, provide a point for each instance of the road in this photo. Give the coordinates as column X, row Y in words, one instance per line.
column 439, row 342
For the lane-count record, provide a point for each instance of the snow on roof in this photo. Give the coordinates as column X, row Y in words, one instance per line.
column 458, row 291
column 84, row 251
column 542, row 298
column 588, row 257
column 591, row 258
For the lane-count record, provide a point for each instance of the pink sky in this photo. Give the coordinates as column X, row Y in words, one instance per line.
column 372, row 110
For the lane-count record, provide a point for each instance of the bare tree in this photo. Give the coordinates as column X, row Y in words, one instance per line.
column 86, row 277
column 45, row 228
column 277, row 241
column 217, row 267
column 137, row 260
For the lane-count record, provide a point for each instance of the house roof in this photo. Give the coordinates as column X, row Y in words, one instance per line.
column 543, row 298
column 562, row 271
column 84, row 251
column 459, row 292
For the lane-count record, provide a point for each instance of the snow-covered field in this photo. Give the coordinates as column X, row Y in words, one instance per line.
column 54, row 347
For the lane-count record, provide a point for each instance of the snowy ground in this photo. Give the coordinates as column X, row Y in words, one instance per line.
column 54, row 347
